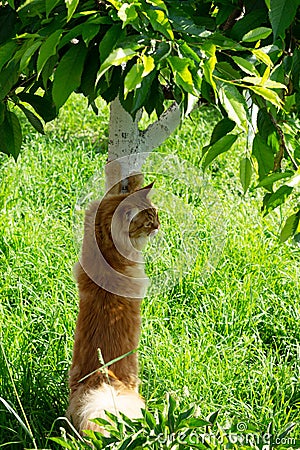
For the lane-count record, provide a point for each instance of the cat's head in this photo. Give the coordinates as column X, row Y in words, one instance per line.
column 130, row 219
column 143, row 218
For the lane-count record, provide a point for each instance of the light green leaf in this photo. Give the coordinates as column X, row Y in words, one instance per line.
column 290, row 227
column 148, row 63
column 234, row 104
column 116, row 58
column 257, row 34
column 67, row 76
column 282, row 13
column 127, row 13
column 245, row 65
column 221, row 146
column 10, row 135
column 259, row 81
column 133, row 78
column 262, row 56
column 209, row 64
column 269, row 95
column 71, row 7
column 183, row 76
column 160, row 22
column 48, row 49
column 245, row 173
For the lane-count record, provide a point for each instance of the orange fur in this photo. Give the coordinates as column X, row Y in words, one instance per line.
column 111, row 283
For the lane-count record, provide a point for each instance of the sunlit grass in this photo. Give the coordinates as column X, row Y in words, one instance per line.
column 227, row 341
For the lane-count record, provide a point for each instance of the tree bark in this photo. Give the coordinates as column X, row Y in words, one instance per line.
column 129, row 146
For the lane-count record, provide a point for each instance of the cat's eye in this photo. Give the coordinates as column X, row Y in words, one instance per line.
column 147, row 224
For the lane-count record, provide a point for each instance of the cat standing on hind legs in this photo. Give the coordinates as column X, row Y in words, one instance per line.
column 111, row 283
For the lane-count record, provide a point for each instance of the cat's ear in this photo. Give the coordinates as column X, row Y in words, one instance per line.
column 147, row 189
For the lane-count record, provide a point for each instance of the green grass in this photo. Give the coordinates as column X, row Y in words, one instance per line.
column 228, row 341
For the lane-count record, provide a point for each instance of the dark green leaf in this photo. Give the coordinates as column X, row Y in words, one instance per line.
column 89, row 31
column 264, row 156
column 6, row 52
column 50, row 5
column 42, row 105
column 245, row 173
column 282, row 13
column 267, row 129
column 10, row 135
column 33, row 119
column 67, row 76
column 290, row 227
column 221, row 146
column 48, row 49
column 277, row 198
column 108, row 41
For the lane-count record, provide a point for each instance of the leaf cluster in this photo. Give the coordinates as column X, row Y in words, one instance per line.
column 174, row 429
column 241, row 55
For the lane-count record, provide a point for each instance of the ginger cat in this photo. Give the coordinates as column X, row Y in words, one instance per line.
column 111, row 282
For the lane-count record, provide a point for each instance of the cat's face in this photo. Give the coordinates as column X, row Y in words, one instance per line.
column 144, row 225
column 131, row 218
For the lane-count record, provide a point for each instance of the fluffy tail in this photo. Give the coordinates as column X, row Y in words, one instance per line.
column 93, row 403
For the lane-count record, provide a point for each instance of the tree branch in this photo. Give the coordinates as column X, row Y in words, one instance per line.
column 158, row 131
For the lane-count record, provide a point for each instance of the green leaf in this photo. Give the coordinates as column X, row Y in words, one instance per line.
column 221, row 146
column 267, row 94
column 10, row 135
column 116, row 58
column 245, row 173
column 48, row 49
column 109, row 40
column 221, row 129
column 264, row 156
column 71, row 6
column 28, row 54
column 133, row 78
column 33, row 119
column 273, row 177
column 67, row 76
column 182, row 74
column 6, row 52
column 127, row 13
column 50, row 5
column 160, row 22
column 282, row 13
column 234, row 104
column 89, row 31
column 245, row 65
column 290, row 227
column 257, row 34
column 277, row 198
column 210, row 63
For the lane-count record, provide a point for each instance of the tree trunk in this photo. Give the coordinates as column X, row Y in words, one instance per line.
column 129, row 146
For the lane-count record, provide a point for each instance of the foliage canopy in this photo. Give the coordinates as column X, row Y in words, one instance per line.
column 241, row 55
